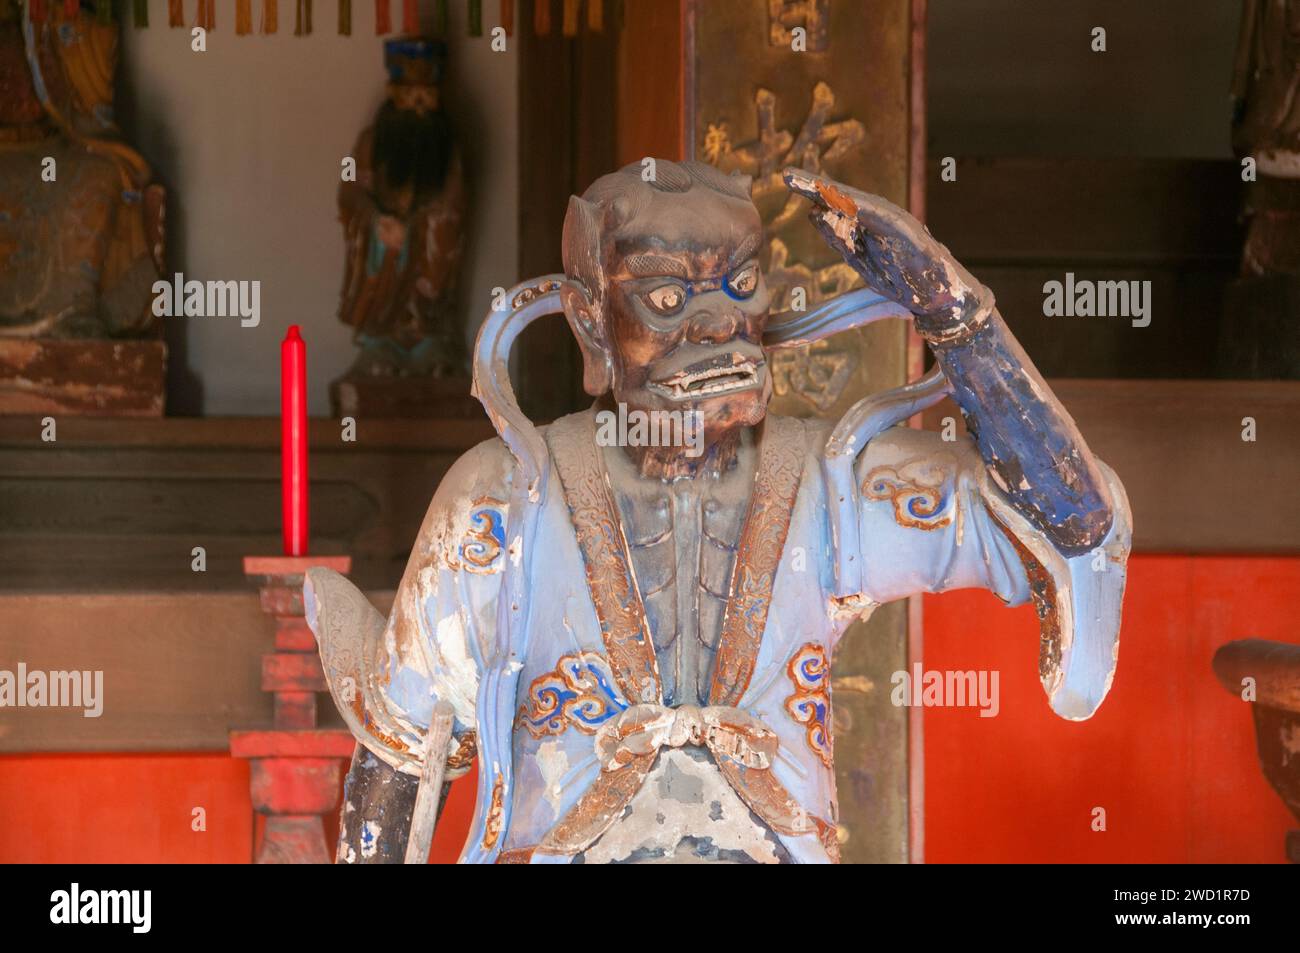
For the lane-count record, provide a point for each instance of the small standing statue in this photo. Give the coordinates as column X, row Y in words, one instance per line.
column 1260, row 336
column 636, row 636
column 403, row 218
column 81, row 226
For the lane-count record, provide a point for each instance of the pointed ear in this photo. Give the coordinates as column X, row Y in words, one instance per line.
column 583, row 293
column 581, row 246
column 587, row 321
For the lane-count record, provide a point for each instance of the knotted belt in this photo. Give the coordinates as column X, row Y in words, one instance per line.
column 728, row 732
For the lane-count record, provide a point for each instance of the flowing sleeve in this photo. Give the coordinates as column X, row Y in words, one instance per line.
column 386, row 676
column 931, row 519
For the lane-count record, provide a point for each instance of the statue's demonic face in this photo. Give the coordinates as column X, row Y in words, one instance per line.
column 684, row 308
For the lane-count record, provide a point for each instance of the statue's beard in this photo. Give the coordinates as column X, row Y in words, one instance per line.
column 719, row 422
column 412, row 151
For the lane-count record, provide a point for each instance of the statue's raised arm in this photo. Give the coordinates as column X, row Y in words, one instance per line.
column 1051, row 504
column 1034, row 451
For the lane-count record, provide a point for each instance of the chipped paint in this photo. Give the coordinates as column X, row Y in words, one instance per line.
column 552, row 764
column 685, row 812
column 455, row 678
column 687, row 783
column 853, row 683
column 1290, row 739
column 370, row 834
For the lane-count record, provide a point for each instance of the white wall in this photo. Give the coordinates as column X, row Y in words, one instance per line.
column 248, row 138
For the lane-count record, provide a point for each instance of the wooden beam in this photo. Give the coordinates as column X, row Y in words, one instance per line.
column 122, row 504
column 1195, row 486
column 652, row 112
column 1087, row 211
column 216, row 433
column 180, row 670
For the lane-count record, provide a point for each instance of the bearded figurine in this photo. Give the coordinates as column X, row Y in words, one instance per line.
column 1259, row 335
column 403, row 219
column 80, row 220
column 636, row 640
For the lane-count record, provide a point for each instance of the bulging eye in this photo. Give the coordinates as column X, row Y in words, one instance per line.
column 666, row 299
column 743, row 283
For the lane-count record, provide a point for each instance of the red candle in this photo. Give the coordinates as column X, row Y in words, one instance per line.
column 293, row 442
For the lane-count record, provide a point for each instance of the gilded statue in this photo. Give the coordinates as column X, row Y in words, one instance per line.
column 81, row 219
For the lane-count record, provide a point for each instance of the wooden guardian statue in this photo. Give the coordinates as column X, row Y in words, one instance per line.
column 635, row 639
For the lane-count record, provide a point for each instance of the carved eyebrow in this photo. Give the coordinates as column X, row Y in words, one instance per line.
column 652, row 266
column 747, row 250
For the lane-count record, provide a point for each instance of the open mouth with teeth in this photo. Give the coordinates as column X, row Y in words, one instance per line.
column 721, row 375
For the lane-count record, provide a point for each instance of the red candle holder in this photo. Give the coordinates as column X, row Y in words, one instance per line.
column 296, row 768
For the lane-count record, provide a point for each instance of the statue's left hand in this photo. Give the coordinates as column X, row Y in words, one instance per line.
column 895, row 255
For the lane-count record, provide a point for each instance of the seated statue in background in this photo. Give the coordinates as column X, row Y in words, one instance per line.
column 633, row 630
column 81, row 224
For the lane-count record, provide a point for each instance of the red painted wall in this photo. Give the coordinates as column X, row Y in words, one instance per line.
column 124, row 809
column 140, row 808
column 1170, row 756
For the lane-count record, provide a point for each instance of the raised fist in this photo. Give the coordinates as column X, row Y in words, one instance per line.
column 896, row 256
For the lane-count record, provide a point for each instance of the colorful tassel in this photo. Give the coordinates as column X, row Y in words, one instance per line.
column 383, row 18
column 70, row 8
column 37, row 11
column 508, row 16
column 206, row 15
column 345, row 17
column 541, row 17
column 270, row 16
column 175, row 13
column 475, row 17
column 410, row 16
column 595, row 15
column 140, row 13
column 570, row 17
column 243, row 17
column 302, row 18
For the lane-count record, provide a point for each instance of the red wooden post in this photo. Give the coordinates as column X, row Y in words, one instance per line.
column 296, row 767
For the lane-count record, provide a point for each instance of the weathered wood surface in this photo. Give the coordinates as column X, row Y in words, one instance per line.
column 180, row 670
column 121, row 505
column 1272, row 671
column 427, row 799
column 1017, row 223
column 1194, row 485
column 427, row 398
column 848, row 98
column 1087, row 210
column 108, row 378
column 567, row 129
